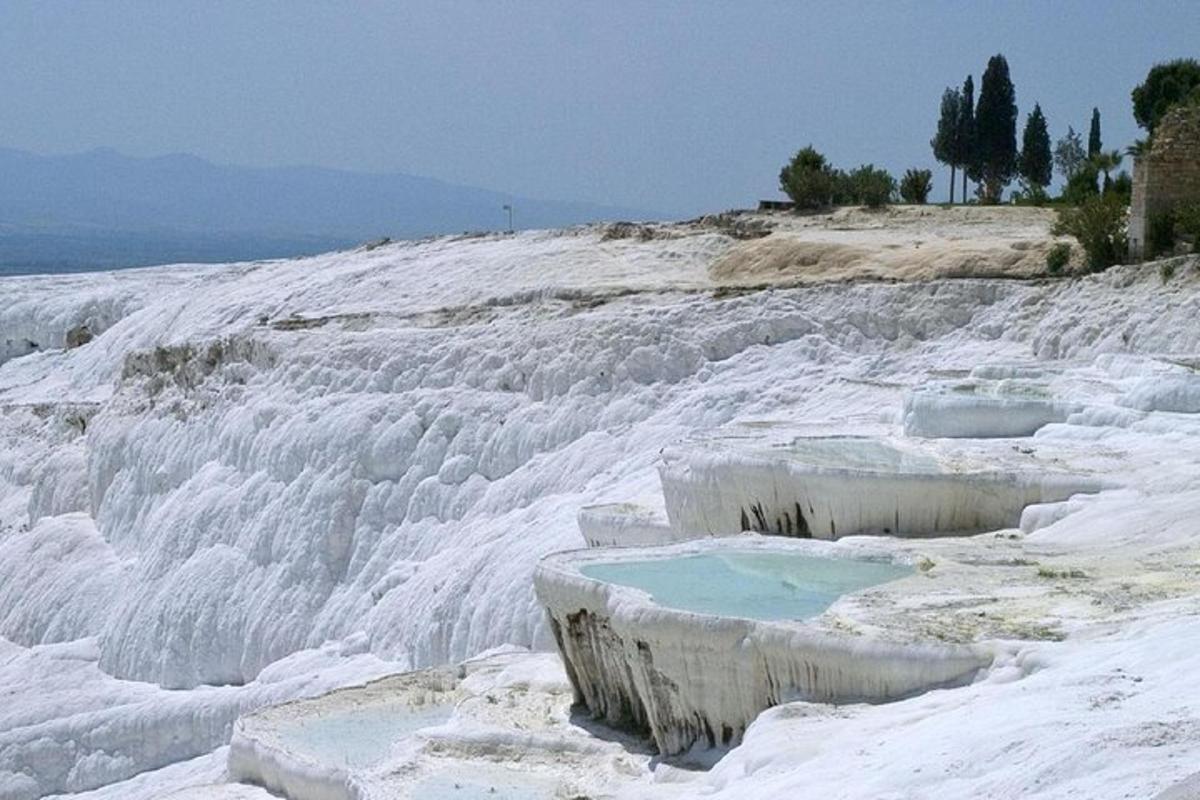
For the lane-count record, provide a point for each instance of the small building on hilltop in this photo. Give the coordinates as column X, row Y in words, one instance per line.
column 1167, row 176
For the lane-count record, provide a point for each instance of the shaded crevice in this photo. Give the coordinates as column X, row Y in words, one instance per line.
column 784, row 525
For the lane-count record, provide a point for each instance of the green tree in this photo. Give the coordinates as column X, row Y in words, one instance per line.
column 966, row 132
column 1094, row 143
column 1036, row 166
column 1166, row 85
column 842, row 191
column 996, row 130
column 945, row 141
column 1069, row 155
column 807, row 179
column 872, row 187
column 916, row 185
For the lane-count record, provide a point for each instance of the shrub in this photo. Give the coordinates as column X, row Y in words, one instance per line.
column 1187, row 223
column 916, row 185
column 1099, row 224
column 1166, row 271
column 843, row 189
column 1160, row 235
column 1082, row 185
column 1058, row 258
column 1031, row 196
column 807, row 179
column 872, row 187
column 1122, row 186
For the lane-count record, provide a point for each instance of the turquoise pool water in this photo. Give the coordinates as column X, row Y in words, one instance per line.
column 755, row 585
column 359, row 737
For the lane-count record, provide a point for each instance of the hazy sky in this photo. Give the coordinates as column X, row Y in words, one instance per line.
column 672, row 106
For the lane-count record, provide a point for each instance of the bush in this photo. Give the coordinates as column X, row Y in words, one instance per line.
column 807, row 179
column 1058, row 258
column 916, row 185
column 843, row 189
column 1122, row 186
column 872, row 187
column 1082, row 185
column 1099, row 223
column 1160, row 235
column 1031, row 196
column 1187, row 223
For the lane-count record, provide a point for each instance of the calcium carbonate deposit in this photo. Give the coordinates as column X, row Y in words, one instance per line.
column 228, row 488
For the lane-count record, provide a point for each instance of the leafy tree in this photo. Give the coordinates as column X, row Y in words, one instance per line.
column 1166, row 85
column 916, row 185
column 872, row 187
column 807, row 179
column 1036, row 166
column 1069, row 155
column 1100, row 226
column 945, row 141
column 996, row 130
column 1094, row 143
column 966, row 132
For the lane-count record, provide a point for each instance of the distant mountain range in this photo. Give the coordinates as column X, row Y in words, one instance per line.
column 104, row 210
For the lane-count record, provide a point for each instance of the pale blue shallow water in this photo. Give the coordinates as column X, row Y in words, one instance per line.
column 482, row 785
column 359, row 737
column 754, row 585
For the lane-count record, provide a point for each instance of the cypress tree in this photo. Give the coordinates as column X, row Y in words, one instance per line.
column 996, row 129
column 945, row 141
column 966, row 131
column 1094, row 144
column 1035, row 165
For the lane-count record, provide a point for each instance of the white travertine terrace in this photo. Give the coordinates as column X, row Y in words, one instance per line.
column 260, row 751
column 626, row 525
column 982, row 409
column 694, row 679
column 828, row 487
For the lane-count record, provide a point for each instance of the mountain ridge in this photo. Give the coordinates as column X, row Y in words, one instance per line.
column 103, row 209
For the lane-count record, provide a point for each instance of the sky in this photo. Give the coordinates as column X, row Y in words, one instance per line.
column 677, row 107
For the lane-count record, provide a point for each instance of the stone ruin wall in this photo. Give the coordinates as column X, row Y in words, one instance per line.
column 1166, row 177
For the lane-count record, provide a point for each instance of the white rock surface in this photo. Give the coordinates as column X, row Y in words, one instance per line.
column 374, row 449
